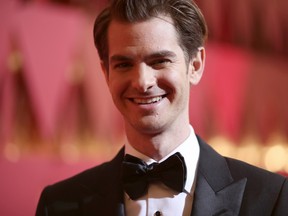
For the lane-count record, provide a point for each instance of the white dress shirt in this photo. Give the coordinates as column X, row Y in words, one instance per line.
column 161, row 200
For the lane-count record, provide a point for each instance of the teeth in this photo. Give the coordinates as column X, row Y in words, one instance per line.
column 147, row 101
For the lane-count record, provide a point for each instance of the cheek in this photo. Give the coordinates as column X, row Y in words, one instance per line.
column 176, row 79
column 116, row 86
column 115, row 91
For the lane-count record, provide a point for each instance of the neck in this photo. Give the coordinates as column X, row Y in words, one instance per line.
column 157, row 145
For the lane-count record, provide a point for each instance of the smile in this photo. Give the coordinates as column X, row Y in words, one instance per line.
column 147, row 100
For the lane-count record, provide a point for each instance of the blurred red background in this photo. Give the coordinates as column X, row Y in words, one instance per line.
column 56, row 115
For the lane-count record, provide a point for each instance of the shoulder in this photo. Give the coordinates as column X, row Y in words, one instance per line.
column 240, row 169
column 88, row 181
column 264, row 189
column 82, row 192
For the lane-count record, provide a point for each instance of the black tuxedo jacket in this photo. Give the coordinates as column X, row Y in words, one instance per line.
column 224, row 186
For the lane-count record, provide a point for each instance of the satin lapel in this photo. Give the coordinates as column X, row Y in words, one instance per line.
column 109, row 197
column 223, row 202
column 216, row 192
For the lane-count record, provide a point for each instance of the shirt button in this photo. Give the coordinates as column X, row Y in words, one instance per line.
column 157, row 213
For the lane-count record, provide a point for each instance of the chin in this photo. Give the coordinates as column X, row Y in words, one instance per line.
column 148, row 127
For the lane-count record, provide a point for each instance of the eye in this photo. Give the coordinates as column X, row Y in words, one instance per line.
column 160, row 63
column 122, row 65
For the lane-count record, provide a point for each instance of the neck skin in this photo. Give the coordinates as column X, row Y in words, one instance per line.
column 158, row 145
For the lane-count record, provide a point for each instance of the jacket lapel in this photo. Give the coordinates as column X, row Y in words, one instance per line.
column 216, row 192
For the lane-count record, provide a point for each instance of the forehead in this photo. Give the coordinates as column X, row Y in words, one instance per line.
column 154, row 33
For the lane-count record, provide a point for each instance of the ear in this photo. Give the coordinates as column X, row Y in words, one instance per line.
column 196, row 66
column 105, row 71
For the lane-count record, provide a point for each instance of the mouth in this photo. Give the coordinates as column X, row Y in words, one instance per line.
column 144, row 101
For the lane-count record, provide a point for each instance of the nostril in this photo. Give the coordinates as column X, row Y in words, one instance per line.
column 143, row 85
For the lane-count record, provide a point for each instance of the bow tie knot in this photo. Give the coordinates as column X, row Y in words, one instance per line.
column 137, row 175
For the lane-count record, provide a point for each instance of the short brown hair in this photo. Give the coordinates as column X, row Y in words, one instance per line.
column 187, row 17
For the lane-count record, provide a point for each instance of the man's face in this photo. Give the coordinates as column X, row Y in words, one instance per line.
column 148, row 76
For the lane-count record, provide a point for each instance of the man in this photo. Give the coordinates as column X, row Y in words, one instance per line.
column 151, row 54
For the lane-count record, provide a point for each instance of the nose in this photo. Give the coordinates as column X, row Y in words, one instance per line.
column 143, row 78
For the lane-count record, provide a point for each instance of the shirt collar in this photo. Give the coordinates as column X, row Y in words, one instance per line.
column 190, row 151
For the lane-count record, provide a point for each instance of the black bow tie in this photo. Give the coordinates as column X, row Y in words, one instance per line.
column 137, row 174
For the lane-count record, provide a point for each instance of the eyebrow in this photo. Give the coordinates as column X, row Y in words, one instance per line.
column 161, row 54
column 155, row 55
column 120, row 58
